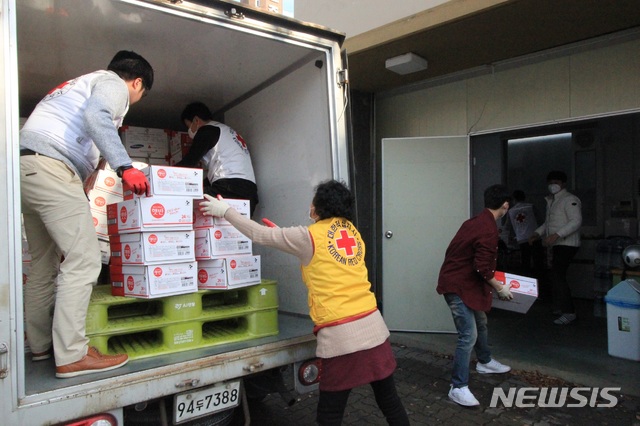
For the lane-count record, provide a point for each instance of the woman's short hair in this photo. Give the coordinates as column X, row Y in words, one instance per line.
column 333, row 199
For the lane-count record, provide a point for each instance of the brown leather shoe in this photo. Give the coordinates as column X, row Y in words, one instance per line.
column 41, row 356
column 93, row 362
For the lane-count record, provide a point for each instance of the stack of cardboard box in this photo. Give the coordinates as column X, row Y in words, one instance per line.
column 152, row 240
column 224, row 254
column 147, row 145
column 103, row 187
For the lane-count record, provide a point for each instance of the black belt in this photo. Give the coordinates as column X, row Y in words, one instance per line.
column 24, row 152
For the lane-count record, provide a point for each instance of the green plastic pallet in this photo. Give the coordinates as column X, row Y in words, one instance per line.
column 109, row 314
column 191, row 334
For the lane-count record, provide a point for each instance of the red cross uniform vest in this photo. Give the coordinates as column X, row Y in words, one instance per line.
column 59, row 115
column 230, row 157
column 337, row 277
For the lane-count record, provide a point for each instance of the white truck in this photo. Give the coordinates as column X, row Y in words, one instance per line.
column 278, row 81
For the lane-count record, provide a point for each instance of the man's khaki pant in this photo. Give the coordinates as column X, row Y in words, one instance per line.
column 58, row 225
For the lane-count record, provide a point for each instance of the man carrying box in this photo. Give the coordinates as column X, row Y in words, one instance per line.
column 60, row 145
column 466, row 280
column 224, row 153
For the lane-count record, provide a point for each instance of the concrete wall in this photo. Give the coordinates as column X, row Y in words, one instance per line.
column 579, row 85
column 354, row 17
column 589, row 83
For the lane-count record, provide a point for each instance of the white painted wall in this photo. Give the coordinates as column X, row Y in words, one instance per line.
column 354, row 17
column 598, row 81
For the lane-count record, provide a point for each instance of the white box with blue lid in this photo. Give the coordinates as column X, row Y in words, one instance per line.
column 623, row 320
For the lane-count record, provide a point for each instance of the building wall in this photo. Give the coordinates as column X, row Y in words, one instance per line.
column 354, row 17
column 599, row 81
column 594, row 83
column 281, row 7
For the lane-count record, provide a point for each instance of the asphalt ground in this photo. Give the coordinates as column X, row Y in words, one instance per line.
column 422, row 379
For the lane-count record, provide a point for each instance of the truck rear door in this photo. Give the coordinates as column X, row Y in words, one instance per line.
column 272, row 78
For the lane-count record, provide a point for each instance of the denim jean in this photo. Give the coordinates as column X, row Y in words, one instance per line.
column 472, row 334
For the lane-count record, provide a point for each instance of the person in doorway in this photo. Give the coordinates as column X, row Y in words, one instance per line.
column 224, row 153
column 352, row 337
column 522, row 219
column 466, row 280
column 561, row 232
column 60, row 145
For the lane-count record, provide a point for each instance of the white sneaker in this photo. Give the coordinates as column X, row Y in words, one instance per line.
column 463, row 396
column 492, row 367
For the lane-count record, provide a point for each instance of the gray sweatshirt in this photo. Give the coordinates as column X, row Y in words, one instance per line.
column 96, row 115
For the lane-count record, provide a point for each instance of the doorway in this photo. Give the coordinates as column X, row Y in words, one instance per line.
column 600, row 157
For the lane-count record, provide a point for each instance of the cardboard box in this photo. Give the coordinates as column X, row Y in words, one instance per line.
column 150, row 214
column 185, row 142
column 105, row 252
column 221, row 241
column 175, row 181
column 148, row 248
column 106, row 181
column 99, row 199
column 175, row 142
column 100, row 223
column 151, row 281
column 145, row 142
column 212, row 274
column 523, row 289
column 175, row 157
column 201, row 221
column 619, row 226
column 230, row 272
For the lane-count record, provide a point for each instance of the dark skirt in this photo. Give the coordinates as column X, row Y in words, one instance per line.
column 357, row 369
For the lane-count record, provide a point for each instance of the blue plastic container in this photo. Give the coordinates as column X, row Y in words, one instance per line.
column 623, row 320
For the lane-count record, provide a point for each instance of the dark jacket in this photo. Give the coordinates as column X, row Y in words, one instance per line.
column 470, row 260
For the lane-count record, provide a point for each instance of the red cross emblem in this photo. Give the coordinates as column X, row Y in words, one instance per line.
column 521, row 217
column 346, row 242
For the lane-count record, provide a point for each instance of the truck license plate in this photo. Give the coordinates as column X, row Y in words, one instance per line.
column 189, row 405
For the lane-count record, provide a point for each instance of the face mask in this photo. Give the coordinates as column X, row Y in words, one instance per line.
column 554, row 188
column 191, row 133
column 310, row 218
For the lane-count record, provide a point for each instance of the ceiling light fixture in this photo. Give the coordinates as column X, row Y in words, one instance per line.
column 406, row 64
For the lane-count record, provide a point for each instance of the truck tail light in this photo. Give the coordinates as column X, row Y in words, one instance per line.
column 309, row 372
column 97, row 420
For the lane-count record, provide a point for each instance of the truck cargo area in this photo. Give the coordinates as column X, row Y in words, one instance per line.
column 275, row 80
column 294, row 331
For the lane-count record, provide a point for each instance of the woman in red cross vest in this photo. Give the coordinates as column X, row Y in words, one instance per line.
column 352, row 338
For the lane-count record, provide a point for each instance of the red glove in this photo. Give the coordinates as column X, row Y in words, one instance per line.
column 137, row 181
column 269, row 223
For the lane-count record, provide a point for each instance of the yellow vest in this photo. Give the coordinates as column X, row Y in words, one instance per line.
column 337, row 277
